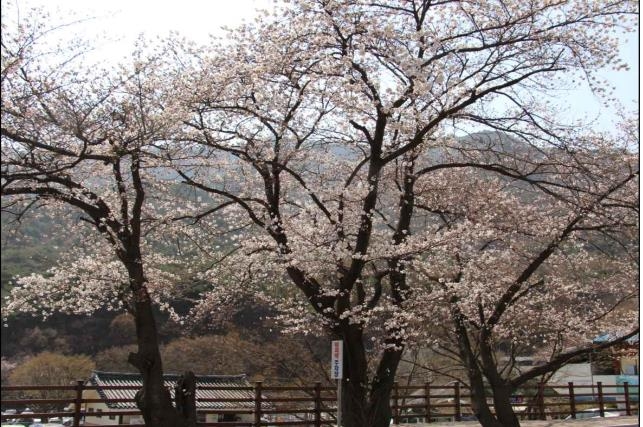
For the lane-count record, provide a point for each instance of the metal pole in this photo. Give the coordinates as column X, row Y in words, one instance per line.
column 337, row 372
column 339, row 403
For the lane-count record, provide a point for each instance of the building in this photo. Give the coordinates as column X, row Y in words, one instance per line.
column 238, row 407
column 612, row 367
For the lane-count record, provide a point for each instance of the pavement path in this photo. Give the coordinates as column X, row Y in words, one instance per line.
column 593, row 422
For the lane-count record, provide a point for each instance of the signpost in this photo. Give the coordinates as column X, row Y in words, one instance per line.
column 336, row 373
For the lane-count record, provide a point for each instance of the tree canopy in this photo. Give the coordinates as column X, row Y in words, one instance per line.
column 396, row 165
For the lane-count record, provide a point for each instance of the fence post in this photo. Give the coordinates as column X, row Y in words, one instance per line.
column 396, row 403
column 317, row 404
column 458, row 408
column 572, row 400
column 257, row 422
column 427, row 407
column 601, row 404
column 78, row 402
column 626, row 392
column 541, row 400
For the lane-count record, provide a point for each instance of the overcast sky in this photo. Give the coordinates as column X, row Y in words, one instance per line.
column 117, row 23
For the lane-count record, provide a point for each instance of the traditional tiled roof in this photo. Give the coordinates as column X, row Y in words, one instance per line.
column 105, row 380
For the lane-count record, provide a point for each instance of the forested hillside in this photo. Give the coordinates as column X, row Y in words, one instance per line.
column 34, row 243
column 246, row 341
column 28, row 247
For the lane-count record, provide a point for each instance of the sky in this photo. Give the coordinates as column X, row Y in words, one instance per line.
column 116, row 24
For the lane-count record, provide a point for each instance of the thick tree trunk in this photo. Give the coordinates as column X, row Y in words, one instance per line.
column 353, row 404
column 154, row 398
column 500, row 388
column 479, row 403
column 185, row 398
column 502, row 405
column 504, row 415
column 380, row 397
column 355, row 381
column 364, row 406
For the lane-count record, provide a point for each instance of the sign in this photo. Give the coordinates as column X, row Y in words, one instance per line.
column 337, row 360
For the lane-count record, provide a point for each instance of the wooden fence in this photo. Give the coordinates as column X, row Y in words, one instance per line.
column 316, row 405
column 429, row 403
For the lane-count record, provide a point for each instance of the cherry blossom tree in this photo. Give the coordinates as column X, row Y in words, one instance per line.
column 330, row 137
column 330, row 173
column 536, row 272
column 85, row 143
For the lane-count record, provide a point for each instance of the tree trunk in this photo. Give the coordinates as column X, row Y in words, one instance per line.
column 154, row 398
column 502, row 405
column 380, row 397
column 500, row 388
column 478, row 396
column 185, row 398
column 479, row 403
column 361, row 407
column 355, row 381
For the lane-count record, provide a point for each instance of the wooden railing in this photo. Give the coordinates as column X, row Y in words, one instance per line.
column 316, row 406
column 267, row 406
column 429, row 403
